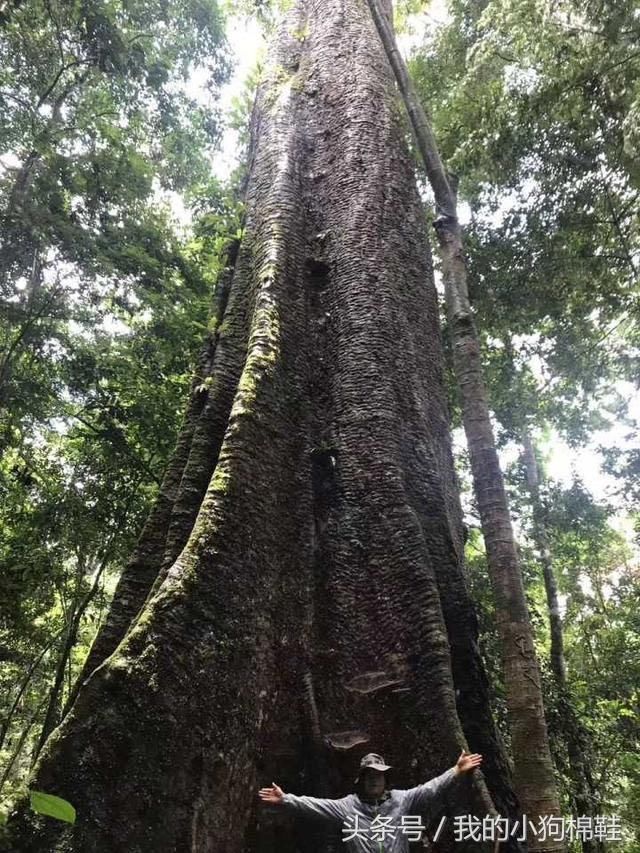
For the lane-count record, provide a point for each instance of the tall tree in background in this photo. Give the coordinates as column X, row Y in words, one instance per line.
column 308, row 599
column 585, row 800
column 536, row 108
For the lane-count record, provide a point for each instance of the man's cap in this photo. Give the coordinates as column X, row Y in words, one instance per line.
column 373, row 761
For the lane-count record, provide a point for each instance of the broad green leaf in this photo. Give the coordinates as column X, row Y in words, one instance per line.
column 52, row 806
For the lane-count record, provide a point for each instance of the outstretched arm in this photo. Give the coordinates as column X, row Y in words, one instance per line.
column 333, row 811
column 430, row 794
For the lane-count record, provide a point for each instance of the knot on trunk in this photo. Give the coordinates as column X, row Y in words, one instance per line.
column 445, row 226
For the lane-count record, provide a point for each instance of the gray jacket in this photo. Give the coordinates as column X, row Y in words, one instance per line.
column 386, row 826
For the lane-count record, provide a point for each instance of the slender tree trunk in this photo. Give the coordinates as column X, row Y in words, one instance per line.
column 558, row 664
column 585, row 801
column 21, row 742
column 54, row 710
column 6, row 721
column 317, row 609
column 534, row 775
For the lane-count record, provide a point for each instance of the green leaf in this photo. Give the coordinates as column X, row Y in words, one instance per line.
column 52, row 806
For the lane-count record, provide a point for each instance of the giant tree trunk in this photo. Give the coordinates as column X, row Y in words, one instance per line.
column 317, row 608
column 534, row 773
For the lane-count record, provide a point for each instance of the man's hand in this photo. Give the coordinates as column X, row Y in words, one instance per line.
column 273, row 795
column 468, row 761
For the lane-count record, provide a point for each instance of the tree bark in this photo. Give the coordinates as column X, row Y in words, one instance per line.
column 534, row 774
column 317, row 609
